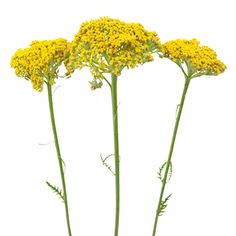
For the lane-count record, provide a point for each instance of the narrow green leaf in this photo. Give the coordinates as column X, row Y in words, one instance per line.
column 56, row 190
column 160, row 173
column 163, row 205
column 105, row 163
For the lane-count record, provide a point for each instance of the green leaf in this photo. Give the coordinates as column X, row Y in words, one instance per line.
column 163, row 205
column 105, row 163
column 161, row 172
column 56, row 190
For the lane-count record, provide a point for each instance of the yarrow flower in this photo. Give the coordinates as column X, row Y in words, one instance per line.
column 194, row 61
column 108, row 45
column 40, row 61
column 200, row 60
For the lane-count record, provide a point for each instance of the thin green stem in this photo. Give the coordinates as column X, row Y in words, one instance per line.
column 116, row 149
column 168, row 163
column 60, row 162
column 109, row 84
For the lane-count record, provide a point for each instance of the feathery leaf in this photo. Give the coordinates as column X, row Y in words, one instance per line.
column 56, row 190
column 163, row 205
column 161, row 170
column 105, row 163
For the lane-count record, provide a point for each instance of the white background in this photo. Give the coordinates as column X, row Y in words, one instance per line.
column 204, row 159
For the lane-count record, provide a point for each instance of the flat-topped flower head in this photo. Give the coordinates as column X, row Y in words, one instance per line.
column 40, row 61
column 108, row 45
column 199, row 60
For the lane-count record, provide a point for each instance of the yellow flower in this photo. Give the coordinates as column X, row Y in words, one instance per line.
column 108, row 45
column 200, row 60
column 40, row 61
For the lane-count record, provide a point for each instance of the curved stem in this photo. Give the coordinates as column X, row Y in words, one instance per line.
column 168, row 163
column 60, row 161
column 109, row 84
column 116, row 149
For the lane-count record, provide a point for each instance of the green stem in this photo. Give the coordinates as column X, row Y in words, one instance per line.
column 168, row 163
column 116, row 148
column 60, row 162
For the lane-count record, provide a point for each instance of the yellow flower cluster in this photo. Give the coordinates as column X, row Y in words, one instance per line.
column 108, row 45
column 200, row 60
column 40, row 61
